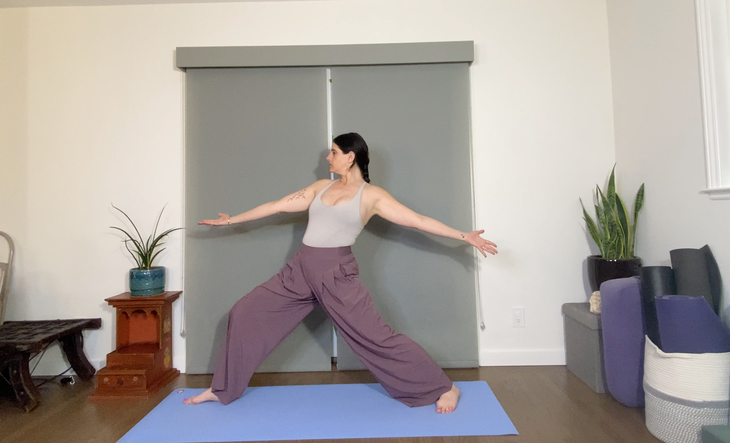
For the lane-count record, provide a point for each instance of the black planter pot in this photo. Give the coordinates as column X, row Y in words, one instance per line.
column 600, row 269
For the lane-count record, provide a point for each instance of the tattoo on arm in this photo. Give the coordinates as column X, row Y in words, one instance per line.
column 299, row 195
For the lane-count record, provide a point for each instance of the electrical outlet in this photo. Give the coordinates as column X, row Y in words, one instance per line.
column 518, row 317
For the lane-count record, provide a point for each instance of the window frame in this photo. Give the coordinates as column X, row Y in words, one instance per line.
column 713, row 43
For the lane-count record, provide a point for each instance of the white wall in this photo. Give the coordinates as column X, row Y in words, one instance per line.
column 659, row 140
column 13, row 133
column 104, row 124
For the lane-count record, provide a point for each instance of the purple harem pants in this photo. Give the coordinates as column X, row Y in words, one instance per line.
column 259, row 321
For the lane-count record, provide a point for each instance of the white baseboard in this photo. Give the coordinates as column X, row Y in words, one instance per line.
column 522, row 357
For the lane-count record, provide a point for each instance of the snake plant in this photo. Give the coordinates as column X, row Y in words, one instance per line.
column 615, row 233
column 143, row 251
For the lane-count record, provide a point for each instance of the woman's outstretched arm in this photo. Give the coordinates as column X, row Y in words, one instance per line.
column 384, row 205
column 296, row 202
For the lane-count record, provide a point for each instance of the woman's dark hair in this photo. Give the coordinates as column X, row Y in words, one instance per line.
column 353, row 142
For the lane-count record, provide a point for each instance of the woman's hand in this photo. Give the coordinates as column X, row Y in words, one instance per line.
column 483, row 245
column 224, row 220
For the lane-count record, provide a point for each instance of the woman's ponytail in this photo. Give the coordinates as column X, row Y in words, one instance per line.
column 365, row 174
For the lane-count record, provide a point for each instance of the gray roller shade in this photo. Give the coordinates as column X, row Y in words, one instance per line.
column 256, row 134
column 252, row 136
column 415, row 119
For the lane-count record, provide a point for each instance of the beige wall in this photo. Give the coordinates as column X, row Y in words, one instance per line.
column 105, row 124
column 659, row 140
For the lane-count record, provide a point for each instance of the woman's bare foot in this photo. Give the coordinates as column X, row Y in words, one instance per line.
column 204, row 396
column 448, row 400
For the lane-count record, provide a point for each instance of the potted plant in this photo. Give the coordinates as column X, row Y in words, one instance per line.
column 615, row 235
column 145, row 279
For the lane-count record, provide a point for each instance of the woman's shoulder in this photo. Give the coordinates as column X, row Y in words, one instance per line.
column 374, row 189
column 320, row 184
column 373, row 193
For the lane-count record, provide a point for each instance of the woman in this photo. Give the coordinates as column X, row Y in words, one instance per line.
column 324, row 271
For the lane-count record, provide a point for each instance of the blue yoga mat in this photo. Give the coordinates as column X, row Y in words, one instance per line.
column 317, row 412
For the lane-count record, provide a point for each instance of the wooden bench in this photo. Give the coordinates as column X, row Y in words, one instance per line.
column 20, row 340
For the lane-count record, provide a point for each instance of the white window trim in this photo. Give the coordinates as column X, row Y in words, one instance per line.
column 714, row 57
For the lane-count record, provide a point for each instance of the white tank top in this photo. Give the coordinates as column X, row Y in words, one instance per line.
column 333, row 226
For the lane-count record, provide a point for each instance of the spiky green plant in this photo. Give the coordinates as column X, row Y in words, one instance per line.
column 143, row 251
column 615, row 233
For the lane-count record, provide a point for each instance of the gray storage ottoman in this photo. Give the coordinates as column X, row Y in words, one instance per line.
column 584, row 345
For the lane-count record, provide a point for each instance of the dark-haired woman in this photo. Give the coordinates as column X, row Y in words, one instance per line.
column 324, row 271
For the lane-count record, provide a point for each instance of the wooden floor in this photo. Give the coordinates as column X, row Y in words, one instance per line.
column 545, row 403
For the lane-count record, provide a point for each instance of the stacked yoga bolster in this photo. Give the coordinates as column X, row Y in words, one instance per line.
column 623, row 339
column 329, row 276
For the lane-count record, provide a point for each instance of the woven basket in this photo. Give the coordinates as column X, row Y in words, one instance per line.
column 685, row 392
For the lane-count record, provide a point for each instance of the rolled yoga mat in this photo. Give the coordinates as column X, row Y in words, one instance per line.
column 655, row 281
column 696, row 274
column 713, row 272
column 688, row 325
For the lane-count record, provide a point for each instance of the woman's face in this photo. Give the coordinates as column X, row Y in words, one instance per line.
column 339, row 161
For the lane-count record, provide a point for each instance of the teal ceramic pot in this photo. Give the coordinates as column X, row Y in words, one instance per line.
column 147, row 282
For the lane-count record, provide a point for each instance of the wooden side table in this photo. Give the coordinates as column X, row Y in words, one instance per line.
column 142, row 361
